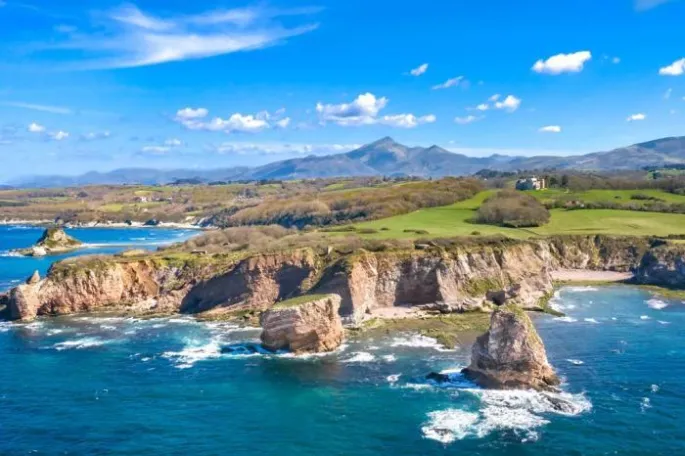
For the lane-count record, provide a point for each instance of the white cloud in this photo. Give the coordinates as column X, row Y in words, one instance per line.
column 616, row 60
column 173, row 142
column 38, row 107
column 510, row 103
column 495, row 97
column 136, row 38
column 635, row 117
column 244, row 148
column 283, row 123
column 36, row 128
column 466, row 120
column 364, row 110
column 191, row 113
column 667, row 94
column 194, row 119
column 93, row 136
column 677, row 68
column 483, row 107
column 156, row 149
column 563, row 63
column 453, row 82
column 550, row 129
column 642, row 5
column 418, row 71
column 58, row 135
column 406, row 120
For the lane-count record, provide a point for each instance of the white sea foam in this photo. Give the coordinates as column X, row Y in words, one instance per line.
column 576, row 362
column 657, row 304
column 393, row 378
column 513, row 411
column 654, row 388
column 566, row 319
column 645, row 404
column 661, row 322
column 590, row 320
column 79, row 344
column 193, row 352
column 580, row 289
column 418, row 341
column 360, row 357
column 644, row 317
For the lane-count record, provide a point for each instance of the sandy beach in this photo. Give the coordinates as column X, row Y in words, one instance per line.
column 586, row 275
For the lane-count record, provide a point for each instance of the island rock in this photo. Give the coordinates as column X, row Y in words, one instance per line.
column 511, row 354
column 53, row 241
column 308, row 324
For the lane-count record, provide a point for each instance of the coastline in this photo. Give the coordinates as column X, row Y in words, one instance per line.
column 161, row 225
column 588, row 275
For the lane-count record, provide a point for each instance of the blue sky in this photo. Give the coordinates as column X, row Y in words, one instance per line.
column 171, row 83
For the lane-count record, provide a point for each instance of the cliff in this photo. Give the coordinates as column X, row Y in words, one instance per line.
column 53, row 241
column 449, row 275
column 308, row 324
column 511, row 355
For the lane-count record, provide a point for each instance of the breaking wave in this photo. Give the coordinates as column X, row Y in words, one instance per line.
column 517, row 412
column 657, row 304
column 79, row 344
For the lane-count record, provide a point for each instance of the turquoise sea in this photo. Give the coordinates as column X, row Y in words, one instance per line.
column 105, row 385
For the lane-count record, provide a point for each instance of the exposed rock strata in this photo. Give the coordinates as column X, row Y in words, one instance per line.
column 457, row 277
column 304, row 326
column 511, row 354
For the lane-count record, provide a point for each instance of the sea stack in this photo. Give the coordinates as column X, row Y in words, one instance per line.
column 308, row 324
column 511, row 354
column 54, row 240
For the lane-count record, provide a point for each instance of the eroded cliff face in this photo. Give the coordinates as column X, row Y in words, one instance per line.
column 452, row 277
column 311, row 326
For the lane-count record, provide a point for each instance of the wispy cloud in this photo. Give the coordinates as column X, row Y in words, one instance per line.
column 550, row 129
column 643, row 5
column 510, row 103
column 452, row 82
column 129, row 37
column 38, row 107
column 467, row 119
column 636, row 117
column 273, row 148
column 419, row 70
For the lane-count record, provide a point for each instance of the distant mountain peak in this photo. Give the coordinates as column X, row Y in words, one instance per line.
column 386, row 141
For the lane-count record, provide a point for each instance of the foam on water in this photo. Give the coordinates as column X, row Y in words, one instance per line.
column 418, row 341
column 586, row 289
column 520, row 412
column 657, row 304
column 566, row 319
column 575, row 362
column 194, row 351
column 644, row 317
column 360, row 357
column 79, row 344
column 590, row 320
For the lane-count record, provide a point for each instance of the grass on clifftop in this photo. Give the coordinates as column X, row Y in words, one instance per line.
column 294, row 302
column 454, row 220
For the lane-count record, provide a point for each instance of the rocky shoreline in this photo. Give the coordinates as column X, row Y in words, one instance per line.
column 444, row 278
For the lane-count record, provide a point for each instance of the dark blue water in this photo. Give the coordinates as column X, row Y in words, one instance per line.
column 100, row 384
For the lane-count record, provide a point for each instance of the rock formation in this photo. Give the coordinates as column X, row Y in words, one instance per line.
column 309, row 324
column 53, row 241
column 455, row 277
column 511, row 354
column 34, row 279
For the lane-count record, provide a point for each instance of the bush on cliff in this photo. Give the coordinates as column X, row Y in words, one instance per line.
column 512, row 209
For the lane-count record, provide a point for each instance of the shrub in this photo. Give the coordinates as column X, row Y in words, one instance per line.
column 513, row 209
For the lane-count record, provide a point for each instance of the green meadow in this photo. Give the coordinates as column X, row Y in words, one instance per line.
column 454, row 220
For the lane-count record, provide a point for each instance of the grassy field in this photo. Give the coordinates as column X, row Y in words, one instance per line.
column 453, row 220
column 614, row 196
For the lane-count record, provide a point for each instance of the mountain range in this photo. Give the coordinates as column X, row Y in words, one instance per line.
column 386, row 157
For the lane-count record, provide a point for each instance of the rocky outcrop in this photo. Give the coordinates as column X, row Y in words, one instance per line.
column 309, row 324
column 53, row 241
column 451, row 277
column 511, row 354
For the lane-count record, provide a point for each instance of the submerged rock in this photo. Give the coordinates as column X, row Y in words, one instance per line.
column 309, row 324
column 438, row 377
column 511, row 354
column 54, row 240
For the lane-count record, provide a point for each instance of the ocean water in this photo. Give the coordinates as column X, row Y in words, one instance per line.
column 15, row 269
column 105, row 385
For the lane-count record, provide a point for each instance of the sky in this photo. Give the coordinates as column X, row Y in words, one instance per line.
column 100, row 85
